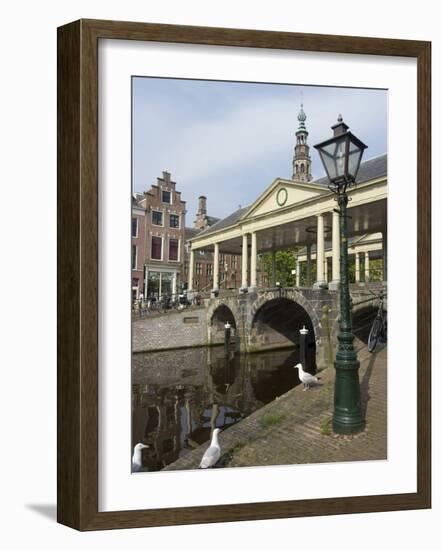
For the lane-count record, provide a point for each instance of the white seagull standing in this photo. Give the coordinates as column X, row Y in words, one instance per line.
column 211, row 456
column 137, row 459
column 306, row 378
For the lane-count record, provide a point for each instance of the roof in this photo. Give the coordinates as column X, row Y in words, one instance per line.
column 370, row 169
column 211, row 220
column 225, row 222
column 190, row 232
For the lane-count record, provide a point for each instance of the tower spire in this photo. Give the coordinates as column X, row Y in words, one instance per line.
column 301, row 159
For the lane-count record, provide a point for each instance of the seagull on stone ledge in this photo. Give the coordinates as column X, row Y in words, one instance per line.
column 212, row 454
column 137, row 459
column 306, row 378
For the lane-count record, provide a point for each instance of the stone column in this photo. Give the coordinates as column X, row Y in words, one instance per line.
column 253, row 259
column 244, row 262
column 174, row 285
column 273, row 268
column 367, row 267
column 357, row 267
column 298, row 273
column 308, row 281
column 191, row 268
column 384, row 256
column 326, row 269
column 146, row 279
column 320, row 280
column 335, row 250
column 216, row 267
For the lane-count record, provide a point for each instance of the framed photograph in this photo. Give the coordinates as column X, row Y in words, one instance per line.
column 243, row 274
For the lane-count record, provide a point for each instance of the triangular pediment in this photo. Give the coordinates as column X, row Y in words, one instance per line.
column 281, row 194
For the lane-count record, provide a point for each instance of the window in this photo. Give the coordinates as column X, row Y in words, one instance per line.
column 186, row 267
column 221, row 259
column 157, row 244
column 233, row 262
column 174, row 221
column 173, row 249
column 166, row 196
column 134, row 227
column 134, row 256
column 208, row 270
column 198, row 268
column 157, row 217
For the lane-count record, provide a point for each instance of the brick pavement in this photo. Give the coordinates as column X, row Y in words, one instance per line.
column 293, row 428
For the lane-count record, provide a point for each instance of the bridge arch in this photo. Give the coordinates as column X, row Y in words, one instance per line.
column 218, row 315
column 276, row 318
column 290, row 297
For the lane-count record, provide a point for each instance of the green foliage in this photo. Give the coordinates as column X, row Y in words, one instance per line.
column 285, row 261
column 325, row 427
column 271, row 419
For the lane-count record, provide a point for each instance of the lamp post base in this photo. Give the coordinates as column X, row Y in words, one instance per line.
column 347, row 415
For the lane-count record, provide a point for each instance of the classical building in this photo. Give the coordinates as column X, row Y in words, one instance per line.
column 296, row 213
column 228, row 264
column 302, row 213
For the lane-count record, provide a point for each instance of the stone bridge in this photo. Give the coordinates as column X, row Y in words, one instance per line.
column 261, row 320
column 271, row 318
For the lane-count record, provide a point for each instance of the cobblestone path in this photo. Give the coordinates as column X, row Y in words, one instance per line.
column 295, row 428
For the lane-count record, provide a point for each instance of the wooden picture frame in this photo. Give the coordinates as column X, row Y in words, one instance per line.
column 78, row 273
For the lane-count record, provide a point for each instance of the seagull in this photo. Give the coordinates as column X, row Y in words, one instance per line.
column 211, row 456
column 306, row 378
column 137, row 462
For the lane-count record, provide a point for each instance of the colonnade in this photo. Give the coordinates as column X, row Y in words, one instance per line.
column 249, row 264
column 249, row 261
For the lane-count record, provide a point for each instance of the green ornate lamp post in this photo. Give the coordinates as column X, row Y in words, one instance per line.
column 341, row 156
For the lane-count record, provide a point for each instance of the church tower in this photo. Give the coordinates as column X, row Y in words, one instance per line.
column 301, row 159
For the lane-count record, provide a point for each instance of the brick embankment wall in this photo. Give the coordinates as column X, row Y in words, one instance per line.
column 295, row 429
column 170, row 330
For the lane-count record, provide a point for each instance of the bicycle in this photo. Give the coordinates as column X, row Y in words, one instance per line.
column 378, row 329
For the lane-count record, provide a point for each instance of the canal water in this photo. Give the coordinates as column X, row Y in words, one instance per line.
column 180, row 396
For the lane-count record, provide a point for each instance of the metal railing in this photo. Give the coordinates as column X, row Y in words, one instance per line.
column 164, row 304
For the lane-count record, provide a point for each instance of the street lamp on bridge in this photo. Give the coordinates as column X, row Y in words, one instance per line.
column 341, row 156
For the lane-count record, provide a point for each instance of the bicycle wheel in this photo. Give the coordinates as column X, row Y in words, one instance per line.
column 374, row 334
column 384, row 331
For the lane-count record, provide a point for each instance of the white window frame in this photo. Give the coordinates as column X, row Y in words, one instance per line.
column 136, row 233
column 162, row 248
column 179, row 249
column 166, row 191
column 179, row 221
column 162, row 218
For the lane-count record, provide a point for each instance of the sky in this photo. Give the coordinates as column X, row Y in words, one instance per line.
column 230, row 140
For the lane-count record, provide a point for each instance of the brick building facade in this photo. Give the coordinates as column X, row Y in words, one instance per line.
column 159, row 252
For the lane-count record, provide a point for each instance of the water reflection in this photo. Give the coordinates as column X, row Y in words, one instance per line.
column 180, row 396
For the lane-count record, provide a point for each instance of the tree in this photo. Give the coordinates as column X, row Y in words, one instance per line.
column 285, row 261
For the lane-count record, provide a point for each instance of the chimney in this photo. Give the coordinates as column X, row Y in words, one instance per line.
column 202, row 205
